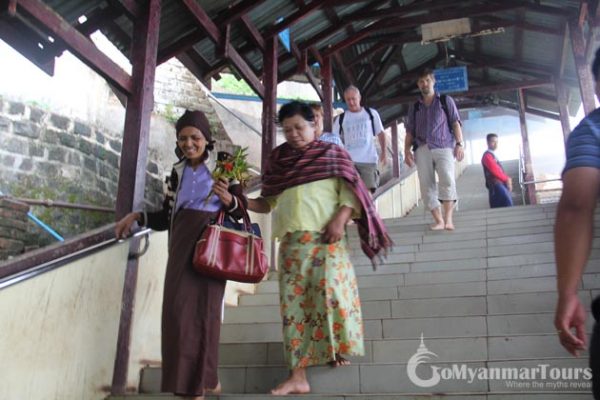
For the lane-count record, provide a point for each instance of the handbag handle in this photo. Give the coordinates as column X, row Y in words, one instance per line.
column 245, row 215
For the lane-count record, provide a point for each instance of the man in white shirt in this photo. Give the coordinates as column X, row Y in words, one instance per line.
column 358, row 128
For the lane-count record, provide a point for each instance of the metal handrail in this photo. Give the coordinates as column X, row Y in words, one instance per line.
column 51, row 265
column 259, row 133
column 522, row 184
column 63, row 204
column 542, row 181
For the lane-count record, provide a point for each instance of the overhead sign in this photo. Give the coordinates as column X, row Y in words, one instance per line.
column 448, row 80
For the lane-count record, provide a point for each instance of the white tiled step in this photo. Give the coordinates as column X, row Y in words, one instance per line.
column 405, row 328
column 457, row 349
column 449, row 396
column 389, row 378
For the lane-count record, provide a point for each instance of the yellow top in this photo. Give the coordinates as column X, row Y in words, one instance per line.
column 309, row 207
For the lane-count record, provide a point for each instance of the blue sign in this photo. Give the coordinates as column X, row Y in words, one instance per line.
column 448, row 80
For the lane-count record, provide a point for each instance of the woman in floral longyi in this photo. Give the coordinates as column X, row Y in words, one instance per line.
column 315, row 190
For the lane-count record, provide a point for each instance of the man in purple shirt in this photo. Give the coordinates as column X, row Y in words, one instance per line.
column 433, row 126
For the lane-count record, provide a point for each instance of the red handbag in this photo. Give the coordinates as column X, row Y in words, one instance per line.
column 229, row 254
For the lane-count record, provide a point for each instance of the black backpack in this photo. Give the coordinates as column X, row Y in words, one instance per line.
column 417, row 105
column 341, row 119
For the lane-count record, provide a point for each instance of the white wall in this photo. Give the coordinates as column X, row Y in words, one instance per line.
column 59, row 330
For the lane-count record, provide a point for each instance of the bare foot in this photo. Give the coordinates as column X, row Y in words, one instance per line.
column 449, row 226
column 291, row 386
column 339, row 362
column 215, row 390
column 438, row 226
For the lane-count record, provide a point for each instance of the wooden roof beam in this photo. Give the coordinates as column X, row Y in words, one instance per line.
column 384, row 65
column 404, row 10
column 255, row 35
column 222, row 42
column 26, row 44
column 313, row 41
column 239, row 10
column 372, row 51
column 296, row 17
column 77, row 43
column 523, row 25
column 303, row 68
column 225, row 17
column 130, row 7
column 509, row 86
column 402, row 24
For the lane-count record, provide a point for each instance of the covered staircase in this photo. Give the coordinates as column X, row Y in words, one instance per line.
column 481, row 298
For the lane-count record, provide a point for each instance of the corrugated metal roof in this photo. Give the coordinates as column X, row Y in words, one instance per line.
column 531, row 43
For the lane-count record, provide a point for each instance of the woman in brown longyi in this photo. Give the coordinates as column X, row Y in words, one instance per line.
column 191, row 314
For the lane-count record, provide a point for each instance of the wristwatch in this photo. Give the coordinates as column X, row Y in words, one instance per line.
column 459, row 144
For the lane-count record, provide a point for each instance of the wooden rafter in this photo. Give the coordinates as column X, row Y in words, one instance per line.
column 314, row 40
column 296, row 17
column 384, row 65
column 186, row 42
column 476, row 91
column 255, row 35
column 130, row 7
column 77, row 43
column 404, row 10
column 26, row 44
column 221, row 41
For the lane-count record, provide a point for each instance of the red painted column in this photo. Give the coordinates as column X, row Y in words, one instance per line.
column 132, row 173
column 561, row 99
column 269, row 114
column 395, row 158
column 529, row 177
column 586, row 82
column 327, row 85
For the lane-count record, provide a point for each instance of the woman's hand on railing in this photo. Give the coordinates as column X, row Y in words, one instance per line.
column 409, row 158
column 123, row 227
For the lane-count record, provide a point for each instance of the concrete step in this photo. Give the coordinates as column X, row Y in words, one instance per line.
column 393, row 396
column 390, row 378
column 378, row 351
column 382, row 325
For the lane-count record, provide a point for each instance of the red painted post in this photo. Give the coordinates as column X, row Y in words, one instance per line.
column 269, row 130
column 529, row 177
column 586, row 82
column 395, row 158
column 327, row 85
column 132, row 172
column 561, row 99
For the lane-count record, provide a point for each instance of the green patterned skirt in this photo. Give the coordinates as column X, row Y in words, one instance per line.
column 320, row 306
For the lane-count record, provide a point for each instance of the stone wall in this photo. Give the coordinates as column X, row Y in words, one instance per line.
column 44, row 155
column 177, row 89
column 13, row 227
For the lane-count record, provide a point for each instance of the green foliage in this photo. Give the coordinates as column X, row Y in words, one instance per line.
column 230, row 84
column 169, row 114
column 36, row 104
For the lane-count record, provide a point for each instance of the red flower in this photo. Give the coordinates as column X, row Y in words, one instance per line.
column 228, row 167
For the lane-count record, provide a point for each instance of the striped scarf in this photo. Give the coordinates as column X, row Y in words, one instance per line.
column 288, row 167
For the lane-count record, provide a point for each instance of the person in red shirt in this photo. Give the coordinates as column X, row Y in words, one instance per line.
column 499, row 184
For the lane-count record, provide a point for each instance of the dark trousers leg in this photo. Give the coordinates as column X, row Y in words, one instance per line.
column 499, row 196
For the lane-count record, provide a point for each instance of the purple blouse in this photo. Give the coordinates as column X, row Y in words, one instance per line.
column 431, row 127
column 195, row 187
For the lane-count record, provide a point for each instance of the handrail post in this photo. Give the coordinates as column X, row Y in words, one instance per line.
column 132, row 172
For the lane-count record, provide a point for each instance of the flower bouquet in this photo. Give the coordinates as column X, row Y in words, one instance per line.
column 233, row 168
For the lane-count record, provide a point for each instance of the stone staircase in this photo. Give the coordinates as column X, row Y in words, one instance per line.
column 481, row 297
